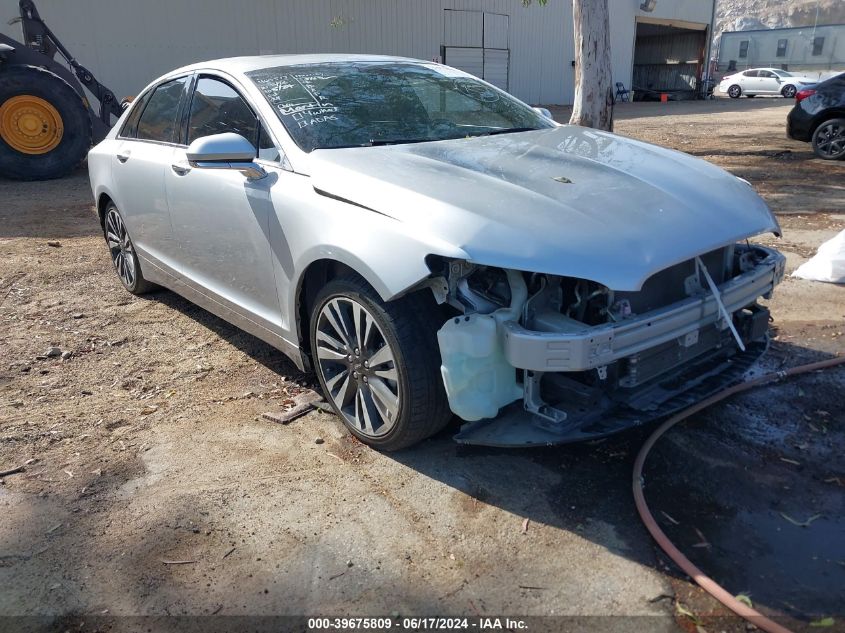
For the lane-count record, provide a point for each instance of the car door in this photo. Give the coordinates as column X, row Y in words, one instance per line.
column 748, row 81
column 221, row 220
column 143, row 153
column 768, row 82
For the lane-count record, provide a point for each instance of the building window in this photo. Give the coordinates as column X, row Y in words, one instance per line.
column 781, row 48
column 743, row 48
column 818, row 45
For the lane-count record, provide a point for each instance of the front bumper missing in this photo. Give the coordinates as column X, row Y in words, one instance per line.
column 598, row 346
column 707, row 360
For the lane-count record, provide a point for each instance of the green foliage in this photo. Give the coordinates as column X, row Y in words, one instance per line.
column 823, row 623
column 744, row 599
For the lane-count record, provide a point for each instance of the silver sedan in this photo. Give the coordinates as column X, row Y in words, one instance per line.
column 432, row 247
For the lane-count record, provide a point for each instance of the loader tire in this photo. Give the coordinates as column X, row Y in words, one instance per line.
column 45, row 128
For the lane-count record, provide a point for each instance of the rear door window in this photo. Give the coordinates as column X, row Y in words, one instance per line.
column 158, row 121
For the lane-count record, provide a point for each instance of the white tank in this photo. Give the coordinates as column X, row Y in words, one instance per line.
column 478, row 379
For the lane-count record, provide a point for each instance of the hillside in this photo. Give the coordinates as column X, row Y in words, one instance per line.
column 743, row 15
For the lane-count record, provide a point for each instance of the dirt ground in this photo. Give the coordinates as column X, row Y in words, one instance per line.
column 153, row 486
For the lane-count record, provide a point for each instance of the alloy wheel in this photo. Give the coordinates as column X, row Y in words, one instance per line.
column 789, row 92
column 120, row 246
column 358, row 366
column 734, row 91
column 830, row 139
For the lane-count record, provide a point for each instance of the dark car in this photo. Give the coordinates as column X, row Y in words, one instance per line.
column 819, row 117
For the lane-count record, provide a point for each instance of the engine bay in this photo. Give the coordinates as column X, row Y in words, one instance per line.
column 543, row 339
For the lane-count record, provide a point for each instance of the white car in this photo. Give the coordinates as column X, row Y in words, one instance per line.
column 764, row 81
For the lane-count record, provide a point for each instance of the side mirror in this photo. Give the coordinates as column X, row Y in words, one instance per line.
column 544, row 112
column 225, row 151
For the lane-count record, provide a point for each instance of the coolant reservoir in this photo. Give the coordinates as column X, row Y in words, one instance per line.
column 478, row 379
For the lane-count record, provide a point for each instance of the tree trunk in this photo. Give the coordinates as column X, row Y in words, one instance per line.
column 593, row 80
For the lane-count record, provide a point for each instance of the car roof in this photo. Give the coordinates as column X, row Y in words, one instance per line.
column 745, row 70
column 241, row 65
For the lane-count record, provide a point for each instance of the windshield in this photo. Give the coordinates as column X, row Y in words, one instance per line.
column 350, row 104
column 783, row 73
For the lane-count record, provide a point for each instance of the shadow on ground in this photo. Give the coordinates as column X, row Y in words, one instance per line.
column 257, row 349
column 751, row 490
column 733, row 486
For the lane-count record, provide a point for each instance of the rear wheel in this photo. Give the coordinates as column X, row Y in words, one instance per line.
column 788, row 91
column 378, row 363
column 45, row 130
column 123, row 255
column 829, row 140
column 734, row 92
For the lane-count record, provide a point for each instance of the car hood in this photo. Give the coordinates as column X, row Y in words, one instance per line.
column 567, row 200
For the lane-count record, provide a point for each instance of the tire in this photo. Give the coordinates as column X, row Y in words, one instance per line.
column 734, row 92
column 398, row 401
column 789, row 91
column 123, row 255
column 45, row 128
column 829, row 139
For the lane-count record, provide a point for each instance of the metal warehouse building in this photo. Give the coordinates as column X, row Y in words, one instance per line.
column 807, row 48
column 656, row 44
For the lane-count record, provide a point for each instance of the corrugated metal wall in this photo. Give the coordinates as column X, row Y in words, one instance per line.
column 463, row 28
column 477, row 43
column 128, row 43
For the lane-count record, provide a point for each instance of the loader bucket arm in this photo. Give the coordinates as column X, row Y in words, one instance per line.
column 38, row 36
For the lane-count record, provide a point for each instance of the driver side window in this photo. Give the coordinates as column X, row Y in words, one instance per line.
column 217, row 108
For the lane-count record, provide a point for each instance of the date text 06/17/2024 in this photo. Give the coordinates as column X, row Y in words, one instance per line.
column 417, row 624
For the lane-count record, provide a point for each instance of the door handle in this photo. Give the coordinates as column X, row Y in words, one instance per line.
column 180, row 168
column 123, row 156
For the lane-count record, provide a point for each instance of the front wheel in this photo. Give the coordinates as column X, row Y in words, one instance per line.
column 734, row 92
column 378, row 363
column 788, row 91
column 829, row 140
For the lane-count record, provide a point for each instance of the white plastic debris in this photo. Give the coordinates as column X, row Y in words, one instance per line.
column 828, row 264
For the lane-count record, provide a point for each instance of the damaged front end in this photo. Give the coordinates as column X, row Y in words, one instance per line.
column 538, row 359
